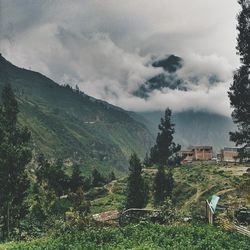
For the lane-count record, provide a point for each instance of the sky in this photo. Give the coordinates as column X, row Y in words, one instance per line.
column 106, row 47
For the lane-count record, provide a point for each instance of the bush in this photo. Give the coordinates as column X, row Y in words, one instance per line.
column 140, row 236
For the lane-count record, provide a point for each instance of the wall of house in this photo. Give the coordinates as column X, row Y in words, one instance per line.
column 229, row 155
column 203, row 154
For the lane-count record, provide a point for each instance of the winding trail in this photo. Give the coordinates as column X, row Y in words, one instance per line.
column 110, row 186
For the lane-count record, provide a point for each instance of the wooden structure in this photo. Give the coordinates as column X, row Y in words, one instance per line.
column 211, row 207
column 233, row 227
column 136, row 214
column 209, row 213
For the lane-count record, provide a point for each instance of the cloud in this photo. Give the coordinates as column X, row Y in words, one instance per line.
column 105, row 46
column 197, row 100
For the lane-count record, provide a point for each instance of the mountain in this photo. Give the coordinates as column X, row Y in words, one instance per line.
column 192, row 128
column 167, row 79
column 195, row 128
column 65, row 123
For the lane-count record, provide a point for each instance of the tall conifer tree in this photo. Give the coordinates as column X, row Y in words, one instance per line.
column 165, row 150
column 76, row 180
column 239, row 93
column 164, row 153
column 137, row 190
column 15, row 154
column 160, row 186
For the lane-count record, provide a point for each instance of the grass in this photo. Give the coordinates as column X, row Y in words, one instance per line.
column 141, row 236
column 193, row 185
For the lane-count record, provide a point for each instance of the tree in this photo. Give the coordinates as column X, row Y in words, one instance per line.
column 58, row 181
column 163, row 185
column 146, row 161
column 81, row 205
column 42, row 168
column 15, row 154
column 97, row 179
column 137, row 189
column 52, row 175
column 76, row 180
column 164, row 152
column 160, row 186
column 169, row 184
column 111, row 176
column 240, row 89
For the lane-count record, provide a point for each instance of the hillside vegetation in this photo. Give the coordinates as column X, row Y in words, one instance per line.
column 68, row 124
column 193, row 185
column 142, row 236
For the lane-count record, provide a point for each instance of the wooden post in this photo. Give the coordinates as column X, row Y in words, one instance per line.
column 210, row 213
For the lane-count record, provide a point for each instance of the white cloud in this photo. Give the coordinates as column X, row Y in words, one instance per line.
column 212, row 100
column 105, row 46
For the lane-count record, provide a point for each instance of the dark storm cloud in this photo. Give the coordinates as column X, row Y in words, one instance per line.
column 105, row 46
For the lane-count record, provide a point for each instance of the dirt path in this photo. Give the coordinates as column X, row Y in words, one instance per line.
column 196, row 196
column 110, row 186
column 224, row 191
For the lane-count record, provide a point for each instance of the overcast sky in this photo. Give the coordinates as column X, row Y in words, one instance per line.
column 105, row 46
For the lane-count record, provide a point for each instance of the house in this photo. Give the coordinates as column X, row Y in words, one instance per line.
column 229, row 154
column 187, row 155
column 203, row 153
column 198, row 153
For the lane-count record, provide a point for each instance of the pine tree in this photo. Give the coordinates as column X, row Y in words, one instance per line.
column 165, row 150
column 137, row 189
column 76, row 180
column 42, row 168
column 163, row 185
column 15, row 154
column 111, row 176
column 169, row 184
column 160, row 186
column 146, row 161
column 58, row 181
column 97, row 179
column 81, row 205
column 240, row 90
column 52, row 175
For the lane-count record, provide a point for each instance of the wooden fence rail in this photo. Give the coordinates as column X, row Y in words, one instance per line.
column 233, row 227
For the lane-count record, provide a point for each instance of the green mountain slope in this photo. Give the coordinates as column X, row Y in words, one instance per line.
column 68, row 124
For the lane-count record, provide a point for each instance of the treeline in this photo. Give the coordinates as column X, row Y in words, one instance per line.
column 34, row 191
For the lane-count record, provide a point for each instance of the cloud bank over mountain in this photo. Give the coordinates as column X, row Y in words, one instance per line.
column 107, row 47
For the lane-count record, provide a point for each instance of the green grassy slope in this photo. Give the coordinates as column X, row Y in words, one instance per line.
column 193, row 185
column 142, row 236
column 70, row 125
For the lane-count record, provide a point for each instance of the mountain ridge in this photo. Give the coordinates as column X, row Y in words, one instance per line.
column 194, row 128
column 68, row 124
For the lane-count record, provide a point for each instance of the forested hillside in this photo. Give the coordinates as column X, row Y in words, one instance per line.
column 65, row 123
